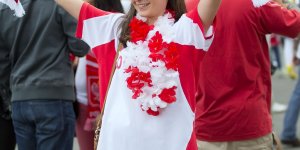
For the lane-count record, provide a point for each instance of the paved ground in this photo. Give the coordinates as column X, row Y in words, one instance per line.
column 282, row 89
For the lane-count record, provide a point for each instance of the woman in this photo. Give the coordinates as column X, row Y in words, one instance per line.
column 86, row 83
column 151, row 99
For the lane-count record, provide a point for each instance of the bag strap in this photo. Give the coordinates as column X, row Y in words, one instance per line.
column 110, row 78
column 99, row 120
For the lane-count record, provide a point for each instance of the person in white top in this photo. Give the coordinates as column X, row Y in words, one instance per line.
column 151, row 99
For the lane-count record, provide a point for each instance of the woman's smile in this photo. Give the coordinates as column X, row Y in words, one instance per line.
column 143, row 6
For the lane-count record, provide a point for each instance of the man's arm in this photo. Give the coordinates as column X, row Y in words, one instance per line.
column 75, row 45
column 71, row 6
column 273, row 18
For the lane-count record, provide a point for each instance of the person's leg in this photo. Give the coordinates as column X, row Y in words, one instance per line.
column 288, row 51
column 288, row 57
column 85, row 138
column 23, row 125
column 7, row 136
column 277, row 56
column 55, row 124
column 291, row 115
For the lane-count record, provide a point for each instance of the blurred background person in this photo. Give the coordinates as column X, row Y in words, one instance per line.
column 288, row 50
column 275, row 46
column 275, row 51
column 288, row 135
column 288, row 57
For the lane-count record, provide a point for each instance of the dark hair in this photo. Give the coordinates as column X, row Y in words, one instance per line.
column 109, row 5
column 178, row 6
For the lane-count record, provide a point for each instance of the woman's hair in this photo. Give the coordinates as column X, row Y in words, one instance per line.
column 109, row 5
column 178, row 6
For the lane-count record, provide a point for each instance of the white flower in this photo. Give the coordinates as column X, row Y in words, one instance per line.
column 160, row 103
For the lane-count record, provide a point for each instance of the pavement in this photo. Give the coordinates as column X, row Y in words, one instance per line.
column 282, row 87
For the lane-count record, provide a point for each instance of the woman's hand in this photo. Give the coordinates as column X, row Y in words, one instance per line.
column 278, row 1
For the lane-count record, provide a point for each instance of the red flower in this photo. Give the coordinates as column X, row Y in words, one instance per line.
column 137, row 80
column 172, row 65
column 168, row 95
column 135, row 87
column 171, row 57
column 138, row 30
column 155, row 57
column 153, row 113
column 156, row 43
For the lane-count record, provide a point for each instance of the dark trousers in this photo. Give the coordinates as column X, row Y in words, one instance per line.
column 7, row 135
column 276, row 56
column 44, row 124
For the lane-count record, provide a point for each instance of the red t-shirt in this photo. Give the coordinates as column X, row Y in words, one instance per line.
column 235, row 76
column 191, row 4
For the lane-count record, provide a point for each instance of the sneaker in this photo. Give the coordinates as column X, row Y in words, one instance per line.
column 291, row 72
column 277, row 107
column 293, row 143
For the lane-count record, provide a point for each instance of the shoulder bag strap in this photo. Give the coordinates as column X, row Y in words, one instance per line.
column 99, row 118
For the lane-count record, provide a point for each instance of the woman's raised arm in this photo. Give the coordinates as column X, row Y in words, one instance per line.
column 71, row 6
column 207, row 10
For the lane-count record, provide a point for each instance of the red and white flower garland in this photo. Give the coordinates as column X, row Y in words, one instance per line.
column 150, row 61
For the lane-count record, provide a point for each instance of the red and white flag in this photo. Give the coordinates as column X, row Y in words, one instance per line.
column 16, row 6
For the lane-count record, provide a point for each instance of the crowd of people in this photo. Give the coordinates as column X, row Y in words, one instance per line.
column 157, row 74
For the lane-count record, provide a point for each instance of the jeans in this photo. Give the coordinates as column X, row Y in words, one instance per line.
column 276, row 56
column 44, row 124
column 291, row 115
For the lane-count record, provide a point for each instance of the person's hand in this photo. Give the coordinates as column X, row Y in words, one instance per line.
column 92, row 2
column 283, row 3
column 287, row 4
column 296, row 61
column 75, row 63
column 278, row 1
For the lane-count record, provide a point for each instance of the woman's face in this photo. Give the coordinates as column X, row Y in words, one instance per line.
column 150, row 9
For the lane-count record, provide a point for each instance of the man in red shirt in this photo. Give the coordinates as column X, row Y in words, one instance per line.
column 233, row 109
